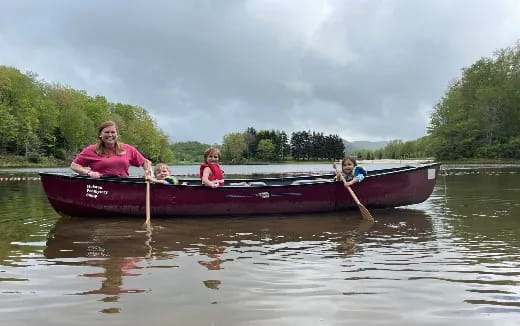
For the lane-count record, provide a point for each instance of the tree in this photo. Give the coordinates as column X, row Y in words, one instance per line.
column 251, row 142
column 234, row 147
column 266, row 150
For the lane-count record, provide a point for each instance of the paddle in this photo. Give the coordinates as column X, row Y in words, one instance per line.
column 364, row 211
column 147, row 222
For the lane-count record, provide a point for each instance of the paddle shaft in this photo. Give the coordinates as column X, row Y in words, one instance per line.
column 147, row 203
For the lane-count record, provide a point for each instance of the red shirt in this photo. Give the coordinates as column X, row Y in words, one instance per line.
column 115, row 165
column 216, row 172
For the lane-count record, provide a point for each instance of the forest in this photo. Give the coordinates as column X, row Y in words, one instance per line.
column 38, row 119
column 477, row 117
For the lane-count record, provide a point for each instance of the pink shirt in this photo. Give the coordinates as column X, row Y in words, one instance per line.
column 110, row 166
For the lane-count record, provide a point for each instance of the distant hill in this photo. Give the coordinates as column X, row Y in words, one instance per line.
column 359, row 145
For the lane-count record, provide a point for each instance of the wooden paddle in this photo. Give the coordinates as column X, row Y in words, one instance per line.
column 364, row 211
column 147, row 222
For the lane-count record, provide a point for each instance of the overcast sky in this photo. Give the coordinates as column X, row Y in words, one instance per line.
column 365, row 70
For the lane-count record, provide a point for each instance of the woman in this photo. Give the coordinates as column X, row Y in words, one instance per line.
column 108, row 157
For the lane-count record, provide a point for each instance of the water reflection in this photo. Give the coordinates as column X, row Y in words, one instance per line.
column 122, row 249
column 117, row 247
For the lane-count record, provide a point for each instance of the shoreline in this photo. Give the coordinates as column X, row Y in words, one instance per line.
column 397, row 161
column 18, row 164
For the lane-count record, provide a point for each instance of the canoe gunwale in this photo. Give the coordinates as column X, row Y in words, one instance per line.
column 286, row 181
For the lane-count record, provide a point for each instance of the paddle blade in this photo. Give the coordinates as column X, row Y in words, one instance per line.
column 364, row 211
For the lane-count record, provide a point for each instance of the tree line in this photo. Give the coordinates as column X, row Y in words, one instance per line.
column 479, row 116
column 398, row 149
column 274, row 145
column 38, row 118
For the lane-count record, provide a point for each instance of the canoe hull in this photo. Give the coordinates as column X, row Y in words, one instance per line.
column 82, row 196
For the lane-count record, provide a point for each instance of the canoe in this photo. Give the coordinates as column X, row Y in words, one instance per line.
column 81, row 196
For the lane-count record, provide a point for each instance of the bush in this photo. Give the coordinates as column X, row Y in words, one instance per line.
column 33, row 157
column 62, row 154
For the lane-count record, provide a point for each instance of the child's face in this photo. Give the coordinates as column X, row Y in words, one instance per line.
column 162, row 173
column 348, row 166
column 212, row 158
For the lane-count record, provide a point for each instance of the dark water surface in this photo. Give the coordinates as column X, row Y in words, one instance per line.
column 453, row 260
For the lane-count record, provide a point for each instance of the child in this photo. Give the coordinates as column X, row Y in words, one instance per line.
column 163, row 174
column 351, row 172
column 210, row 172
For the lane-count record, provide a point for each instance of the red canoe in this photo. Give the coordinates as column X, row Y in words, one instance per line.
column 83, row 196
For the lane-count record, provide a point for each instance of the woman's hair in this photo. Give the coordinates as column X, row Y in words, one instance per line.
column 161, row 166
column 211, row 150
column 101, row 148
column 349, row 158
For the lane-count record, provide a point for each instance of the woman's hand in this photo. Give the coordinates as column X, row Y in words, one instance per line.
column 94, row 174
column 147, row 167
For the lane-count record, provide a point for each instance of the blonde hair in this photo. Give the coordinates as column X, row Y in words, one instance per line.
column 211, row 150
column 101, row 148
column 161, row 166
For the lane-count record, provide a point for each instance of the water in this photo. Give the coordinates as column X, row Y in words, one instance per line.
column 454, row 259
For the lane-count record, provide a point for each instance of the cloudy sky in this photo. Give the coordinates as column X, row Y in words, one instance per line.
column 365, row 70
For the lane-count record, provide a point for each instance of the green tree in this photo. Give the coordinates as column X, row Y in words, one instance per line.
column 266, row 150
column 234, row 147
column 191, row 151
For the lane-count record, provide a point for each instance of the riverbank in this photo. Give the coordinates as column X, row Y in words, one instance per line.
column 15, row 161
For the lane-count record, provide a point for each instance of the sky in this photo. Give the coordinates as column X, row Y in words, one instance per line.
column 364, row 70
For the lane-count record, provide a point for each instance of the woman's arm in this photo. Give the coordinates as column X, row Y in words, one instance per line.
column 84, row 171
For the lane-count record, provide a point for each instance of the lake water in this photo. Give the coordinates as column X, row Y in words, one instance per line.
column 454, row 259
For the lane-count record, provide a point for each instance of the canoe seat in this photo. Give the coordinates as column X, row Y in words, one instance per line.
column 306, row 182
column 257, row 184
column 239, row 184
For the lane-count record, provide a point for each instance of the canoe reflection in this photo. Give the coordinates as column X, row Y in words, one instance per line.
column 122, row 248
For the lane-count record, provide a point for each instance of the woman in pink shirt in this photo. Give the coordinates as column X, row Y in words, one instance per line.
column 108, row 157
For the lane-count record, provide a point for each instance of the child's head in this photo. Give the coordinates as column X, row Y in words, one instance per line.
column 348, row 164
column 162, row 170
column 212, row 155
